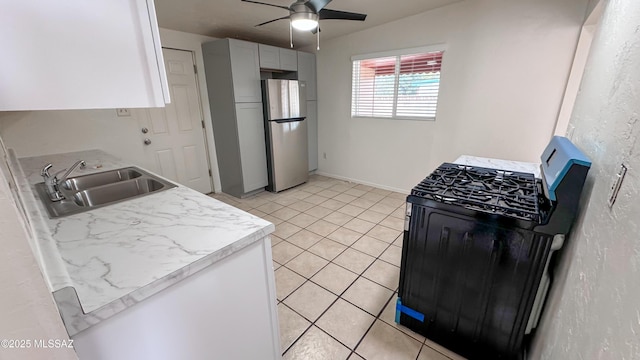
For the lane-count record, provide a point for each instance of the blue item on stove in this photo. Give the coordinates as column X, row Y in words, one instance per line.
column 564, row 171
column 557, row 159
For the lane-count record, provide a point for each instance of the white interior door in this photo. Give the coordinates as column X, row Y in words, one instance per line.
column 174, row 138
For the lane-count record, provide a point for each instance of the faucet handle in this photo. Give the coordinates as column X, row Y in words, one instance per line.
column 55, row 175
column 45, row 171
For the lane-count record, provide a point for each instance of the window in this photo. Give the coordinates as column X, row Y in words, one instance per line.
column 400, row 85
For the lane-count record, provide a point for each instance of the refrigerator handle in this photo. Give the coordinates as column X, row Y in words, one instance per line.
column 282, row 121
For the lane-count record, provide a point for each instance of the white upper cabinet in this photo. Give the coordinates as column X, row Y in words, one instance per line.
column 307, row 72
column 79, row 54
column 269, row 57
column 245, row 71
column 275, row 58
column 288, row 60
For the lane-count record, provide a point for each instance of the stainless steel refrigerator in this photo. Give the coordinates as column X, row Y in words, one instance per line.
column 285, row 111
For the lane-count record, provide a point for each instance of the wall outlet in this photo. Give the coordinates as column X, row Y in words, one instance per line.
column 123, row 112
column 615, row 189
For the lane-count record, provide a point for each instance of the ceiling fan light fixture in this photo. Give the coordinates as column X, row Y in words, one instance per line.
column 304, row 21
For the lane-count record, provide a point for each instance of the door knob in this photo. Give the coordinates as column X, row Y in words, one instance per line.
column 147, row 141
column 145, row 130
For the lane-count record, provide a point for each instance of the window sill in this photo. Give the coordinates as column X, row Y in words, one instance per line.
column 395, row 118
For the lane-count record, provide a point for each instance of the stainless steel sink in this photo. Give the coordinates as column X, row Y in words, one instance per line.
column 88, row 192
column 103, row 178
column 116, row 192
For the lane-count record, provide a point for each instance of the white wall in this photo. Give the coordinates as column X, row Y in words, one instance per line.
column 503, row 79
column 27, row 309
column 594, row 14
column 592, row 5
column 594, row 308
column 32, row 133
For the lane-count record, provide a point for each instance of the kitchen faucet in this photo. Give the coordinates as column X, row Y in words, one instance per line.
column 52, row 182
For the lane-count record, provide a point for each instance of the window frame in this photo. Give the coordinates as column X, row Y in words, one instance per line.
column 397, row 53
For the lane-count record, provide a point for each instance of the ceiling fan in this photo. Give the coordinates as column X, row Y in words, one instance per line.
column 305, row 14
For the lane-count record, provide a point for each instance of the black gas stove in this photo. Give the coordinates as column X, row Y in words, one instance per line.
column 477, row 247
column 494, row 191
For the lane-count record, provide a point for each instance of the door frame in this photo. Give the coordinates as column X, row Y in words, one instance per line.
column 202, row 118
column 190, row 42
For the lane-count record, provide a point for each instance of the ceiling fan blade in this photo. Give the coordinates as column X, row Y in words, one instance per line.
column 261, row 3
column 270, row 21
column 327, row 14
column 317, row 5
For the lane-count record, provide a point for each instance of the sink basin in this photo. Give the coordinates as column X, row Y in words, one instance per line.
column 88, row 192
column 103, row 178
column 116, row 192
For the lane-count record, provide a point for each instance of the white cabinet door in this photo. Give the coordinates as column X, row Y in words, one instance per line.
column 269, row 57
column 312, row 128
column 80, row 55
column 288, row 60
column 253, row 153
column 307, row 72
column 245, row 70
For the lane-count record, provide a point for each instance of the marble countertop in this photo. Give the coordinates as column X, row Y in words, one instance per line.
column 517, row 166
column 99, row 262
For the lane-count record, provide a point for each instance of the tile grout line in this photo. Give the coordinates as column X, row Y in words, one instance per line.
column 337, row 298
column 386, row 303
column 376, row 317
column 331, row 262
column 319, row 316
column 326, row 237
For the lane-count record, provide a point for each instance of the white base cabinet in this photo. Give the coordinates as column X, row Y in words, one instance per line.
column 79, row 54
column 251, row 141
column 226, row 311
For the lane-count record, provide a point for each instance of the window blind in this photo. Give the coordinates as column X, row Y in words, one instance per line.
column 402, row 86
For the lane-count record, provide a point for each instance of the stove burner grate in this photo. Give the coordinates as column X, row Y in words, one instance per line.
column 493, row 191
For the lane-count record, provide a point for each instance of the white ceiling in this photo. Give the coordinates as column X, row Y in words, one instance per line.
column 237, row 19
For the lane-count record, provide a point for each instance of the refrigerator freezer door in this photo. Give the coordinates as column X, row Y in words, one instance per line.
column 289, row 165
column 286, row 99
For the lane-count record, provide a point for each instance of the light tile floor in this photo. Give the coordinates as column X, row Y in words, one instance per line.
column 336, row 256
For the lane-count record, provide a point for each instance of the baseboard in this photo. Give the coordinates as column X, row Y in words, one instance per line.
column 357, row 181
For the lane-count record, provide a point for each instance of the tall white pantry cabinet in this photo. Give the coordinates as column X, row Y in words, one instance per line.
column 78, row 54
column 233, row 73
column 232, row 69
column 307, row 73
